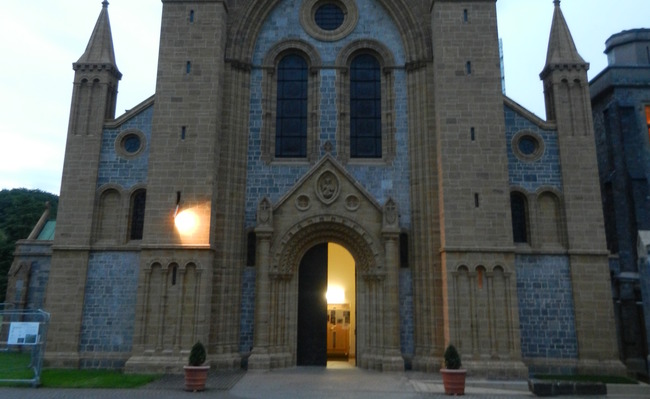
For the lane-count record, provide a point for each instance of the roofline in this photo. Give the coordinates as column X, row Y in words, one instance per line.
column 115, row 123
column 541, row 123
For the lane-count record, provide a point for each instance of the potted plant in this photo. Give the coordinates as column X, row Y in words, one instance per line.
column 195, row 372
column 453, row 377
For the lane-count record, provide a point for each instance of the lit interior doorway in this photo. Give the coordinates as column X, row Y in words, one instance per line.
column 326, row 333
column 341, row 307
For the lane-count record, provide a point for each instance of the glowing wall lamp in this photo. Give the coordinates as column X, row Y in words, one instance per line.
column 186, row 221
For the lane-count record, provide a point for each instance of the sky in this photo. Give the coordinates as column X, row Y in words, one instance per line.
column 40, row 39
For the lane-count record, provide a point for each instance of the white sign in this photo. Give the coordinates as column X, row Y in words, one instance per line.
column 23, row 333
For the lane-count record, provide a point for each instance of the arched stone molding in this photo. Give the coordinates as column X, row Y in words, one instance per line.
column 385, row 56
column 270, row 94
column 316, row 230
column 284, row 238
column 484, row 322
column 550, row 218
column 290, row 46
column 244, row 35
column 109, row 217
column 171, row 293
column 387, row 63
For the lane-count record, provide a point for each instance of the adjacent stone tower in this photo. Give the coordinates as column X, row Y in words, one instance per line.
column 176, row 298
column 477, row 252
column 568, row 104
column 93, row 101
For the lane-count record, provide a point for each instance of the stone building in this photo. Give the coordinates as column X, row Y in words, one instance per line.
column 356, row 146
column 620, row 97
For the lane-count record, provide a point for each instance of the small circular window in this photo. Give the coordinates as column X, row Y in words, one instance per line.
column 329, row 16
column 130, row 143
column 528, row 146
column 329, row 20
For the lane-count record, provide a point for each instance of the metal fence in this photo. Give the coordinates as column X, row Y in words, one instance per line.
column 23, row 334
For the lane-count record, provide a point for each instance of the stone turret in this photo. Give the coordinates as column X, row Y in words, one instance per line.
column 568, row 104
column 93, row 102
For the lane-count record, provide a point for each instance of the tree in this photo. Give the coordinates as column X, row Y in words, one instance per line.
column 20, row 210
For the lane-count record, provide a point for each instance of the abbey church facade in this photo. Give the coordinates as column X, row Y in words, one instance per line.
column 290, row 143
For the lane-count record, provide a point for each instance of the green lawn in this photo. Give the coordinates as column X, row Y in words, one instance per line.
column 14, row 366
column 62, row 378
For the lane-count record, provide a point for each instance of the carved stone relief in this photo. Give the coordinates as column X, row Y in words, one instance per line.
column 328, row 187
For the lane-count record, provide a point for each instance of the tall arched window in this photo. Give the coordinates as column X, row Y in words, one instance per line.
column 291, row 114
column 519, row 209
column 365, row 107
column 136, row 220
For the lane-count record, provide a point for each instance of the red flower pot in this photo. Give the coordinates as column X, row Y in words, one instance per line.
column 195, row 377
column 454, row 381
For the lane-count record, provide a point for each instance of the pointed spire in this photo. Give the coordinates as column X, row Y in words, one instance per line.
column 561, row 47
column 100, row 46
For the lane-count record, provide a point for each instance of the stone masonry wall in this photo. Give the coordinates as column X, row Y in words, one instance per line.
column 117, row 169
column 109, row 305
column 406, row 314
column 530, row 175
column 546, row 315
column 380, row 179
column 247, row 310
column 38, row 256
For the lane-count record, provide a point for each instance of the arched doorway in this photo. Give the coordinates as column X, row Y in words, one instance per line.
column 312, row 308
column 303, row 219
column 326, row 322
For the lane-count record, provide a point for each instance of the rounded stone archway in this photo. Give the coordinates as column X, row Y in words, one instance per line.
column 345, row 232
column 327, row 205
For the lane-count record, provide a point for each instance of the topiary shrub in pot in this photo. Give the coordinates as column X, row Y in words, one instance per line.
column 453, row 376
column 196, row 373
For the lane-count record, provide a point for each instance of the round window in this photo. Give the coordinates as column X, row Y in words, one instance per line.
column 131, row 143
column 329, row 20
column 528, row 145
column 329, row 16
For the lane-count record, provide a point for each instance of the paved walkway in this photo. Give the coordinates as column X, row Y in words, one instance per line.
column 313, row 383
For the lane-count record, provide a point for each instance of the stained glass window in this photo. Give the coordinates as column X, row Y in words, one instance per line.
column 519, row 217
column 291, row 114
column 137, row 214
column 365, row 107
column 329, row 16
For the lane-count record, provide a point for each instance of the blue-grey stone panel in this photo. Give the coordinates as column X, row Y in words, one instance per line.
column 531, row 175
column 406, row 312
column 109, row 304
column 546, row 315
column 247, row 310
column 381, row 180
column 40, row 273
column 38, row 255
column 119, row 170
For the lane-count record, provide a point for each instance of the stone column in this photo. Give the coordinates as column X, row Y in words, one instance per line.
column 260, row 358
column 392, row 358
